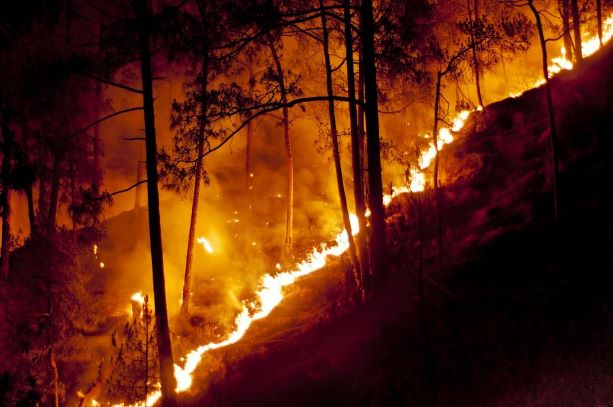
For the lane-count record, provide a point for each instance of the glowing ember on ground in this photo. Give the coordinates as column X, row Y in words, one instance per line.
column 101, row 264
column 205, row 244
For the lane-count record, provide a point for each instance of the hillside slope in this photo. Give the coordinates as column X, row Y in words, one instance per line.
column 522, row 311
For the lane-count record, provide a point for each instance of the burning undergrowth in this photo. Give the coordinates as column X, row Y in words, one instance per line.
column 516, row 297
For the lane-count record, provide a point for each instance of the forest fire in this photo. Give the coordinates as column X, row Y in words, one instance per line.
column 130, row 136
column 270, row 291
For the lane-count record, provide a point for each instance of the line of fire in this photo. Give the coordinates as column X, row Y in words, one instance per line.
column 306, row 203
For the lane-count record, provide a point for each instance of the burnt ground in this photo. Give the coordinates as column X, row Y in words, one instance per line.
column 520, row 312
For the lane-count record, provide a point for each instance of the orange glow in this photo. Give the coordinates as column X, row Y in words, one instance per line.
column 270, row 291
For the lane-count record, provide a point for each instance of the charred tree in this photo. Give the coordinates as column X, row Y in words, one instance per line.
column 378, row 245
column 167, row 379
column 356, row 150
column 550, row 108
column 289, row 209
column 336, row 153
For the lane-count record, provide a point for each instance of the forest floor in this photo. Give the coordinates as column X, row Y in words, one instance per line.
column 520, row 313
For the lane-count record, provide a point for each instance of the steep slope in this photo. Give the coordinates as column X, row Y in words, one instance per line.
column 521, row 314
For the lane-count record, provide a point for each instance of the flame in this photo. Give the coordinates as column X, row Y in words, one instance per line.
column 101, row 264
column 95, row 249
column 589, row 45
column 270, row 290
column 205, row 244
column 268, row 295
column 138, row 297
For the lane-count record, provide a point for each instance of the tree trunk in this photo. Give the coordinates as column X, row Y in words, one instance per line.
column 362, row 127
column 576, row 28
column 476, row 65
column 437, row 197
column 55, row 192
column 568, row 40
column 193, row 222
column 167, row 379
column 550, row 109
column 356, row 153
column 5, row 200
column 139, row 177
column 289, row 210
column 599, row 19
column 375, row 185
column 337, row 155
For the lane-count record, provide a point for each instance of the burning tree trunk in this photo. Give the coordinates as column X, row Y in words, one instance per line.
column 167, row 379
column 576, row 28
column 289, row 210
column 375, row 185
column 356, row 150
column 550, row 108
column 476, row 65
column 336, row 152
column 5, row 199
column 568, row 41
column 189, row 258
